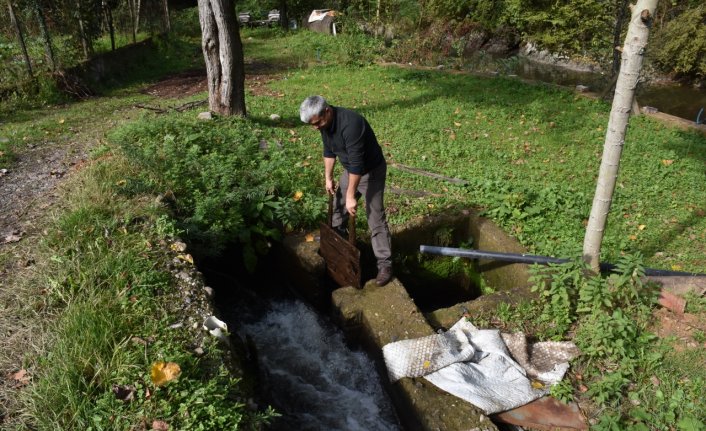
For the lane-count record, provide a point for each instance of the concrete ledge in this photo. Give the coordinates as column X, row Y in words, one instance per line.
column 380, row 315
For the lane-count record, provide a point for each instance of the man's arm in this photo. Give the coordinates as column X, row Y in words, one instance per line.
column 329, row 163
column 351, row 201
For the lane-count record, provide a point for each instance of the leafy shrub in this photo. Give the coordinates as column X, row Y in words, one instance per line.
column 681, row 45
column 227, row 190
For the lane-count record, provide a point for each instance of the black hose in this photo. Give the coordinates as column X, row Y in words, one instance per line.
column 530, row 258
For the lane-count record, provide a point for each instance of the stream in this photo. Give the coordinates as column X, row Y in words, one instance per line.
column 672, row 98
column 319, row 382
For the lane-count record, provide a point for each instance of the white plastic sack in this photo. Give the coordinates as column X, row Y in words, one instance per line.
column 478, row 366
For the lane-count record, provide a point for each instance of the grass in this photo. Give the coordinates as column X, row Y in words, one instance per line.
column 529, row 155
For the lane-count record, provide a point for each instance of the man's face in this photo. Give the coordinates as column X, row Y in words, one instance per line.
column 322, row 121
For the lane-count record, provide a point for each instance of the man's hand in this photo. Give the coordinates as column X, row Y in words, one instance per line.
column 351, row 205
column 330, row 187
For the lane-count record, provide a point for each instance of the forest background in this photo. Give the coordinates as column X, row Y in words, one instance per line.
column 38, row 38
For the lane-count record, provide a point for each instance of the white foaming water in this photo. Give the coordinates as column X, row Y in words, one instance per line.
column 315, row 378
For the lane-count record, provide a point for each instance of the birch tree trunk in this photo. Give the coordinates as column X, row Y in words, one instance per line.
column 632, row 55
column 223, row 52
column 20, row 37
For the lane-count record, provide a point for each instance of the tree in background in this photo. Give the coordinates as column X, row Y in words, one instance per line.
column 223, row 53
column 20, row 36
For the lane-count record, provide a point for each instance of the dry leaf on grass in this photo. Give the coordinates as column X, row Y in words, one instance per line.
column 164, row 372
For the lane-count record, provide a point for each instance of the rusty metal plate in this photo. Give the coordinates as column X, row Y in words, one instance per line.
column 342, row 258
column 545, row 413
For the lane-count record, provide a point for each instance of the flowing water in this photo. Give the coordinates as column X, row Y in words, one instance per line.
column 315, row 380
column 674, row 99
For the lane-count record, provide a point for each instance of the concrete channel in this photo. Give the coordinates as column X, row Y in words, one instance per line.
column 375, row 316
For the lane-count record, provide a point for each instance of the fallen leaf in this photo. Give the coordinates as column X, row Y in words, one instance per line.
column 12, row 238
column 666, row 162
column 457, row 124
column 62, row 121
column 21, row 377
column 536, row 384
column 160, row 426
column 426, row 364
column 633, row 237
column 186, row 258
column 178, row 246
column 121, row 183
column 309, row 237
column 641, row 227
column 298, row 195
column 676, row 267
column 164, row 372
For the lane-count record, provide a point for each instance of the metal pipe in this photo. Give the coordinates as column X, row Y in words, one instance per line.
column 528, row 258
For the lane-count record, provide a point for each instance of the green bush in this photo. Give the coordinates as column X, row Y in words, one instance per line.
column 681, row 45
column 227, row 189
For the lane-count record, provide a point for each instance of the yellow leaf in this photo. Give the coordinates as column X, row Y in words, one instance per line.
column 633, row 237
column 186, row 257
column 121, row 183
column 164, row 372
column 457, row 124
column 298, row 195
column 309, row 237
column 642, row 227
column 536, row 384
column 667, row 162
column 61, row 121
column 676, row 267
column 427, row 364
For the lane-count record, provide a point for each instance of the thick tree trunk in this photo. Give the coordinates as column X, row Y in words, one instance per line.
column 20, row 37
column 48, row 49
column 223, row 52
column 632, row 55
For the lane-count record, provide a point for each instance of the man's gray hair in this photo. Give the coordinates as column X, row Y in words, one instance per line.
column 311, row 106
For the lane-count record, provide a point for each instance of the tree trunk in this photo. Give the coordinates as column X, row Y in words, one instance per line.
column 133, row 19
column 20, row 37
column 167, row 22
column 109, row 20
column 82, row 32
column 283, row 15
column 223, row 52
column 137, row 16
column 621, row 12
column 48, row 49
column 632, row 55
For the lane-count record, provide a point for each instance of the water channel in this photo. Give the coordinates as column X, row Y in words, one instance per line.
column 305, row 367
column 683, row 101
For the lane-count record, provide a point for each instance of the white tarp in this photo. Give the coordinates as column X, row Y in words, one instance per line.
column 320, row 14
column 481, row 365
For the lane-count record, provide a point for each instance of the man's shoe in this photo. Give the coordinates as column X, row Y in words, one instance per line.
column 384, row 276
